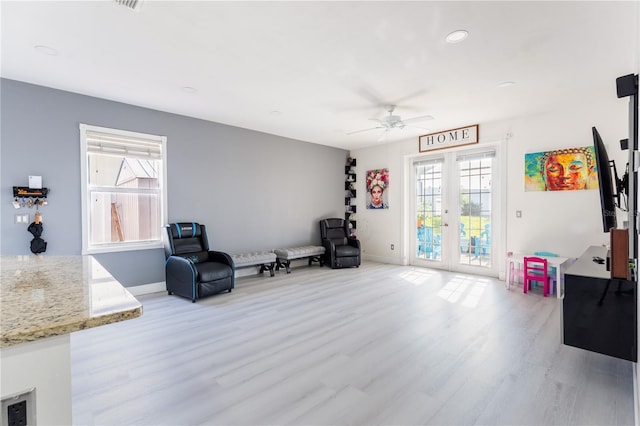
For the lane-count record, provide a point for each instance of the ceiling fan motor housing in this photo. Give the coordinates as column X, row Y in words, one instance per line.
column 394, row 121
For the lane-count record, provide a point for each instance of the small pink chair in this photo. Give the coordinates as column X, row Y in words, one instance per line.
column 535, row 269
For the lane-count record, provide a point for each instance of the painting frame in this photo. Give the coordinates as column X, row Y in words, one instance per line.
column 564, row 169
column 377, row 189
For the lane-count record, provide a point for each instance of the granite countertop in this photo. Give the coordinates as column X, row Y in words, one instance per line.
column 43, row 296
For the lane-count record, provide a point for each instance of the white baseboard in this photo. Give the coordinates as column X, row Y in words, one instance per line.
column 248, row 271
column 139, row 290
column 383, row 259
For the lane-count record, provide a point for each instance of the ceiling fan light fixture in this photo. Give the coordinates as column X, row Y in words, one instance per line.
column 457, row 36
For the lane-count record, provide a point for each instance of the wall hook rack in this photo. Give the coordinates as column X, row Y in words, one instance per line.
column 23, row 196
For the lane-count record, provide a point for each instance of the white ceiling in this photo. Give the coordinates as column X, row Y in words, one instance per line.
column 326, row 67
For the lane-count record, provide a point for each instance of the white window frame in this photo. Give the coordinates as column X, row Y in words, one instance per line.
column 85, row 188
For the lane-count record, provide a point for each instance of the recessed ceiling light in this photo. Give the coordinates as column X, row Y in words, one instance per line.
column 506, row 84
column 276, row 112
column 46, row 50
column 189, row 89
column 457, row 36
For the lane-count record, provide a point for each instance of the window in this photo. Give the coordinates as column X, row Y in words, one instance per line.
column 123, row 189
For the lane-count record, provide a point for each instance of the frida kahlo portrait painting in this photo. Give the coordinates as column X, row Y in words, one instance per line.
column 561, row 170
column 378, row 189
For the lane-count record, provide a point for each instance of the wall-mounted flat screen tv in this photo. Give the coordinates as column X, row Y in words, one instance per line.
column 605, row 183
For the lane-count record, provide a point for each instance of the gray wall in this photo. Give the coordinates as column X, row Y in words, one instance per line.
column 254, row 191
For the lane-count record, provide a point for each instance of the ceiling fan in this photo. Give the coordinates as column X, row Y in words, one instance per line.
column 394, row 122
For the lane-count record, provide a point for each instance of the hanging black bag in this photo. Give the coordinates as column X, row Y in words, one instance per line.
column 38, row 245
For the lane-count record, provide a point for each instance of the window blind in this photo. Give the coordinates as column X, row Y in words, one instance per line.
column 431, row 161
column 127, row 146
column 478, row 155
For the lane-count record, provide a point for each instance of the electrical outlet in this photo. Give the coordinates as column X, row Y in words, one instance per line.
column 518, row 213
column 392, row 247
column 18, row 409
column 17, row 414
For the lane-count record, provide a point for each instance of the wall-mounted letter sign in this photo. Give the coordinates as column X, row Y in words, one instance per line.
column 449, row 138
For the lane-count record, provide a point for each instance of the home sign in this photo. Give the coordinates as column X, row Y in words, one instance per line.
column 449, row 138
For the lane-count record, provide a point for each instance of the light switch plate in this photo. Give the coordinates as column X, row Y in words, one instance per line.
column 22, row 218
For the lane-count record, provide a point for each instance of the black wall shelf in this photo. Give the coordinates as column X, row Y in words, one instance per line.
column 350, row 193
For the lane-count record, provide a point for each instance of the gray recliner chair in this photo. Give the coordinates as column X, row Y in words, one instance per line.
column 192, row 270
column 340, row 250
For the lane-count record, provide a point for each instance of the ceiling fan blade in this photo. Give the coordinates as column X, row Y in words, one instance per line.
column 405, row 98
column 370, row 95
column 416, row 119
column 363, row 130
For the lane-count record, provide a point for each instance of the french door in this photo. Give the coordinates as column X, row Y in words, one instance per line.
column 453, row 220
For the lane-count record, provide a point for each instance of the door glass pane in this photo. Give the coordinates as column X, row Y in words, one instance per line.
column 429, row 211
column 475, row 211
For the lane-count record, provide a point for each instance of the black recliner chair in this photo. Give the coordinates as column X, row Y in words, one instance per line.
column 340, row 251
column 192, row 270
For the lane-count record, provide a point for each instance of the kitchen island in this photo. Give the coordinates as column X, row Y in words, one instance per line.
column 42, row 300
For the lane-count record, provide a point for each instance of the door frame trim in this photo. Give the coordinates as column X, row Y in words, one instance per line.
column 500, row 235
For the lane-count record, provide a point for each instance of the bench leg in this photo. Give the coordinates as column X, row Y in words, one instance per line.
column 284, row 264
column 319, row 259
column 267, row 267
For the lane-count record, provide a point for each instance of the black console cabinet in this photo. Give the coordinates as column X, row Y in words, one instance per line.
column 599, row 313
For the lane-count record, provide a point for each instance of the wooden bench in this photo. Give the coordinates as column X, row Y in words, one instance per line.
column 286, row 255
column 265, row 259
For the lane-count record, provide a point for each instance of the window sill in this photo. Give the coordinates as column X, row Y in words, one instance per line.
column 114, row 248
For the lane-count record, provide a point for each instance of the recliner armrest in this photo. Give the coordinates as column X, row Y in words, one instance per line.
column 328, row 245
column 181, row 266
column 181, row 277
column 354, row 242
column 222, row 257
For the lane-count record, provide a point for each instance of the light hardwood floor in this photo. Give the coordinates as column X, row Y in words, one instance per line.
column 377, row 345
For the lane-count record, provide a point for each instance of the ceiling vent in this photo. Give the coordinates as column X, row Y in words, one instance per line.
column 131, row 4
